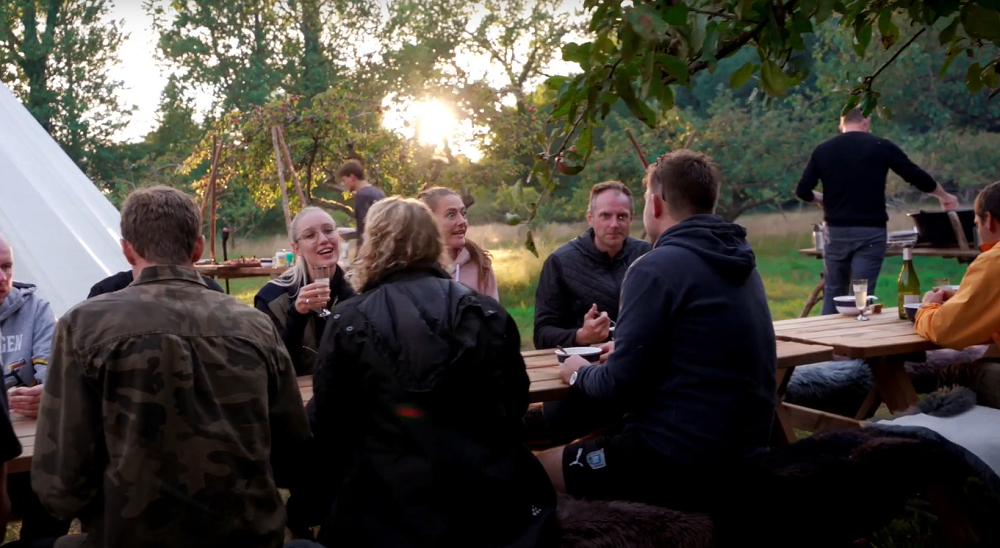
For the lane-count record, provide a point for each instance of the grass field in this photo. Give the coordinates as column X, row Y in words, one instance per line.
column 788, row 276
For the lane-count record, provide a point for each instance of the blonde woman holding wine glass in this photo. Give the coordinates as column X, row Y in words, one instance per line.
column 299, row 301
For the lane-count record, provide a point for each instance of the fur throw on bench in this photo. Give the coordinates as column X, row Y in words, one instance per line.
column 823, row 491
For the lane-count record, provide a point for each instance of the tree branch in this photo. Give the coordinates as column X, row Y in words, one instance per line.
column 324, row 202
column 723, row 15
column 868, row 80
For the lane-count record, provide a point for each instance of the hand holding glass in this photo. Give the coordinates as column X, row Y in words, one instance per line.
column 321, row 276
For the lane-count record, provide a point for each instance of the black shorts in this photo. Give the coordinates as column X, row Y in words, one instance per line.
column 615, row 467
column 625, row 467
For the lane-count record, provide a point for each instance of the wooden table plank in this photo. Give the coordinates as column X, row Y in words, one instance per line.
column 230, row 272
column 883, row 335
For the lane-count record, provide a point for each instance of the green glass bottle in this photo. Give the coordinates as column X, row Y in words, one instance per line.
column 908, row 287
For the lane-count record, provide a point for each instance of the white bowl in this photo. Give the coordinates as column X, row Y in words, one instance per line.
column 846, row 304
column 590, row 353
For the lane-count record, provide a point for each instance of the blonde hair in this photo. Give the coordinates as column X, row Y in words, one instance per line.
column 298, row 275
column 399, row 232
column 479, row 256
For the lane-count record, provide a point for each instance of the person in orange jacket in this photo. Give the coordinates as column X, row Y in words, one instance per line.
column 971, row 315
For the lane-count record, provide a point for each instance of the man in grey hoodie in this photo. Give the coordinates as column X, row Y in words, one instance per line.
column 26, row 327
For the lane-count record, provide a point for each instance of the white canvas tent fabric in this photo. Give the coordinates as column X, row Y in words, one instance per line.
column 64, row 232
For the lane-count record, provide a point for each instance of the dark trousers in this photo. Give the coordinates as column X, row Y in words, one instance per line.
column 851, row 253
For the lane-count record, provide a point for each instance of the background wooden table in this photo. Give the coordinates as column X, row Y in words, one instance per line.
column 231, row 272
column 964, row 256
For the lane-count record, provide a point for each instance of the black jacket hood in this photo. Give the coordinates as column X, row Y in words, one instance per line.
column 721, row 244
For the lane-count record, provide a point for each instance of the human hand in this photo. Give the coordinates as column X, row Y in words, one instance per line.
column 606, row 350
column 948, row 201
column 25, row 401
column 595, row 327
column 570, row 366
column 312, row 297
column 936, row 297
column 818, row 198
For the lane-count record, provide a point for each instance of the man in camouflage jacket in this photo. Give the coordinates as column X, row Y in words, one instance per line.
column 167, row 403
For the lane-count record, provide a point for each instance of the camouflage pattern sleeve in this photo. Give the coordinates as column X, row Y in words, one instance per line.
column 66, row 471
column 289, row 424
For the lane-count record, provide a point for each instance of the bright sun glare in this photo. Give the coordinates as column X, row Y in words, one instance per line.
column 435, row 122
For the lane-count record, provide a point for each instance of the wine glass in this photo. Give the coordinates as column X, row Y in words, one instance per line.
column 321, row 276
column 860, row 297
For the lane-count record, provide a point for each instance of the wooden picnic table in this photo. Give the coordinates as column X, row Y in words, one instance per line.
column 543, row 370
column 884, row 342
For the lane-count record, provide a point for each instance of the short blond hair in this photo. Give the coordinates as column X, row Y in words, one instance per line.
column 399, row 232
column 616, row 186
column 162, row 224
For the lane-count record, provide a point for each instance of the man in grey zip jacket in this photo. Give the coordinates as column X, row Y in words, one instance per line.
column 27, row 324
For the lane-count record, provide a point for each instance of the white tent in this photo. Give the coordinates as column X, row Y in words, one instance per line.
column 63, row 231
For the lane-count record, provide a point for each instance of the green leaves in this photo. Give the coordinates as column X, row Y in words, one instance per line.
column 948, row 33
column 973, row 78
column 824, row 10
column 556, row 82
column 576, row 53
column 677, row 14
column 647, row 23
column 741, row 76
column 862, row 38
column 585, row 142
column 887, row 29
column 991, row 77
column 981, row 23
column 674, row 67
column 977, row 78
column 774, row 81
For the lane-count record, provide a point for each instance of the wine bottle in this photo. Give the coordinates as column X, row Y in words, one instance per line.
column 908, row 287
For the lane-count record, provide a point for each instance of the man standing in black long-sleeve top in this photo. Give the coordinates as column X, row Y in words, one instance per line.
column 853, row 167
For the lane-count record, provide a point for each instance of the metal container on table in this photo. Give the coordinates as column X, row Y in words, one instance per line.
column 819, row 237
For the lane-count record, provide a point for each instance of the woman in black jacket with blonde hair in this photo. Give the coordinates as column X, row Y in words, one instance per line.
column 420, row 391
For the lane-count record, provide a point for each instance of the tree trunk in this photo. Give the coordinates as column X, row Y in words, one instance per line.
column 281, row 183
column 291, row 167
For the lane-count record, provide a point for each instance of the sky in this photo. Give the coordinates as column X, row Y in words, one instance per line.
column 138, row 67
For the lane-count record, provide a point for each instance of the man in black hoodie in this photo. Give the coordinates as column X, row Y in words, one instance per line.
column 694, row 359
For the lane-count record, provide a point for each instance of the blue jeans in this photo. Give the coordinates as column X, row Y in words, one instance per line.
column 851, row 253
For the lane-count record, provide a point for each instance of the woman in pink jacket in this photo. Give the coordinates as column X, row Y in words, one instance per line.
column 473, row 266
